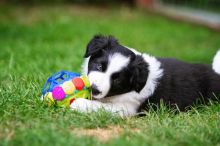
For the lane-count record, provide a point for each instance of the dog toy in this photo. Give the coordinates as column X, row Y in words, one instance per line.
column 63, row 87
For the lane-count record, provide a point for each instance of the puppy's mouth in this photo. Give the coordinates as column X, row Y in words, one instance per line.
column 96, row 92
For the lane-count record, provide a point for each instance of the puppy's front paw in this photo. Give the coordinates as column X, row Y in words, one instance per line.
column 81, row 104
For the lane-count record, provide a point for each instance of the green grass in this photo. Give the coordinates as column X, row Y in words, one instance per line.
column 38, row 41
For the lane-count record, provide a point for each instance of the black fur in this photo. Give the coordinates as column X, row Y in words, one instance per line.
column 139, row 70
column 99, row 43
column 132, row 77
column 181, row 85
column 184, row 84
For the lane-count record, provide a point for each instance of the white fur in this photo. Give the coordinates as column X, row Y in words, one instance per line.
column 125, row 104
column 216, row 63
column 85, row 66
column 155, row 73
column 134, row 51
column 116, row 61
column 102, row 82
column 129, row 101
column 84, row 105
column 132, row 100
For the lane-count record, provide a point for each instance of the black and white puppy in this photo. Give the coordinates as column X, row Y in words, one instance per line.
column 124, row 80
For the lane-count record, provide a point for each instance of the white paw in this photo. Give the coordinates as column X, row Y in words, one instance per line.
column 81, row 104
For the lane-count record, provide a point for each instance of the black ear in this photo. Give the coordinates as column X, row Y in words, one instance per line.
column 99, row 43
column 139, row 71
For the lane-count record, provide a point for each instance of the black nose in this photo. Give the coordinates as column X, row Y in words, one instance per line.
column 95, row 91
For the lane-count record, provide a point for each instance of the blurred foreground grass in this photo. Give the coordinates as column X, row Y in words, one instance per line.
column 38, row 41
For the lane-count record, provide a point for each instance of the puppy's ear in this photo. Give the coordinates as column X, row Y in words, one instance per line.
column 99, row 43
column 139, row 71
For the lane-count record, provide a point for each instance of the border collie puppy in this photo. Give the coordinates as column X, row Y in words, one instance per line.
column 124, row 80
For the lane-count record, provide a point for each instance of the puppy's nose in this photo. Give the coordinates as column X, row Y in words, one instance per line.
column 95, row 90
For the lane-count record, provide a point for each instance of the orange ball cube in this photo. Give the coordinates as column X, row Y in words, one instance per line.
column 78, row 82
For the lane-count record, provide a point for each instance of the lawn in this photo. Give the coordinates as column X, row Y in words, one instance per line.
column 38, row 41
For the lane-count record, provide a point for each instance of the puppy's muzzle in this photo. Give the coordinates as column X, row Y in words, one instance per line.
column 95, row 90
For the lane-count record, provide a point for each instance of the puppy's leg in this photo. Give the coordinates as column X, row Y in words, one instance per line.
column 85, row 105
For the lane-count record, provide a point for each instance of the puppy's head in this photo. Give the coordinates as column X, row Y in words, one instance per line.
column 111, row 68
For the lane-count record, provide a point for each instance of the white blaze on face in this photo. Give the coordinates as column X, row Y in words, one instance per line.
column 85, row 66
column 116, row 62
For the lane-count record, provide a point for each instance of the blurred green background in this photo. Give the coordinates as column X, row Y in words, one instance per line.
column 195, row 3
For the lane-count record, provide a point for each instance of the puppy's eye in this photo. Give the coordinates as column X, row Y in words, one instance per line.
column 99, row 67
